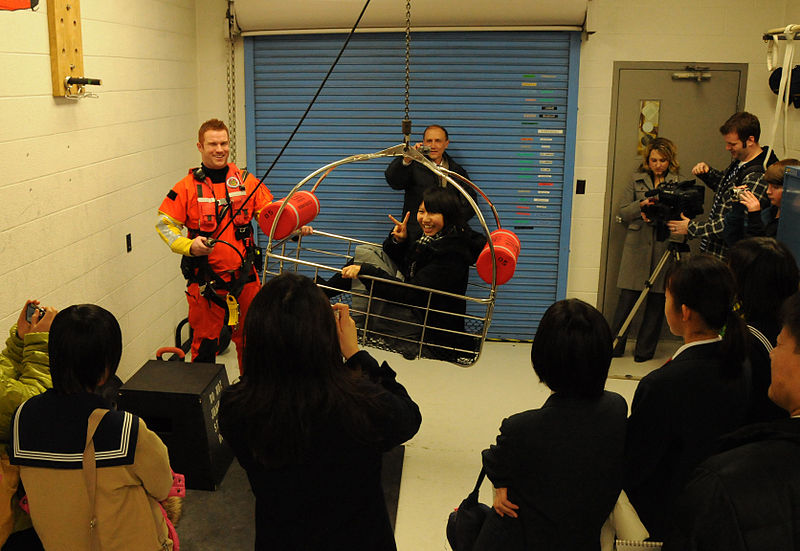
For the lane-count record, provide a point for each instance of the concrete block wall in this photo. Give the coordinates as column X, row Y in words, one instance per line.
column 78, row 176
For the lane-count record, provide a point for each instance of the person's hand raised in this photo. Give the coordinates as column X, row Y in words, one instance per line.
column 749, row 200
column 40, row 322
column 346, row 330
column 400, row 231
column 406, row 159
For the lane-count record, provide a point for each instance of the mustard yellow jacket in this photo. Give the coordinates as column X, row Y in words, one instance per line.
column 24, row 372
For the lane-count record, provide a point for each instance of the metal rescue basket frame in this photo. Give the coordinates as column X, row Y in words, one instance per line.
column 371, row 310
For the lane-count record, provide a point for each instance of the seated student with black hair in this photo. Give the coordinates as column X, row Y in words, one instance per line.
column 557, row 470
column 766, row 275
column 747, row 496
column 701, row 393
column 49, row 434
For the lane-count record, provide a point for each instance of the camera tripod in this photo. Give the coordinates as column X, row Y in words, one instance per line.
column 674, row 250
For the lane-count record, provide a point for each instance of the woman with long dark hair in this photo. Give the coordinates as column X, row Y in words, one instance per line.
column 766, row 275
column 309, row 420
column 701, row 393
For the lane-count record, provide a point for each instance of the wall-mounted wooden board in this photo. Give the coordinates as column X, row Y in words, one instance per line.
column 66, row 46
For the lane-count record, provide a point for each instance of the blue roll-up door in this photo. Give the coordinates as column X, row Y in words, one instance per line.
column 507, row 99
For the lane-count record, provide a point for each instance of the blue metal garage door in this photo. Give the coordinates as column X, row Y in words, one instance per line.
column 508, row 100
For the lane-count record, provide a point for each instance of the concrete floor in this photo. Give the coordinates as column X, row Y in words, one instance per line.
column 462, row 409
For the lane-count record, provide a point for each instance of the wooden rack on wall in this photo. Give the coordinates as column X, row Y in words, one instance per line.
column 66, row 49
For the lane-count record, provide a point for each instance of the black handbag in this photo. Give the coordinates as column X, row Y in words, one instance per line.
column 464, row 524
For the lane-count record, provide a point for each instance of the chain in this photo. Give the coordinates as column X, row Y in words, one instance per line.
column 408, row 50
column 407, row 121
column 231, row 78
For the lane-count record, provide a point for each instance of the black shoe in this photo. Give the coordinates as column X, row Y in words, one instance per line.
column 332, row 282
column 640, row 359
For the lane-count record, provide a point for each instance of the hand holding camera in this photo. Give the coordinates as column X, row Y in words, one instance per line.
column 31, row 309
column 422, row 148
column 346, row 330
column 677, row 203
column 747, row 198
column 35, row 318
column 644, row 205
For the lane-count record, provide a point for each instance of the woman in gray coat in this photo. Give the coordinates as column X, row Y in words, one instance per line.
column 642, row 249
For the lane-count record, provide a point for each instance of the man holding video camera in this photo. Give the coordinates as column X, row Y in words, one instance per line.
column 741, row 133
column 414, row 178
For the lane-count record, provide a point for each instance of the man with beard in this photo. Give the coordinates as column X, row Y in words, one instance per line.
column 741, row 133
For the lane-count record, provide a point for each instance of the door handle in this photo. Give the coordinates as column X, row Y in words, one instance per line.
column 697, row 76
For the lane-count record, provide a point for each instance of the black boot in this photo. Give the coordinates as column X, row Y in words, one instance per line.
column 336, row 281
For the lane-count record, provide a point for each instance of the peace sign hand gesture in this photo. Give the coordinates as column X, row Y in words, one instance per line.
column 400, row 233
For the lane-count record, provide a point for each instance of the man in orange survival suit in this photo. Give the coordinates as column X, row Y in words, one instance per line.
column 219, row 274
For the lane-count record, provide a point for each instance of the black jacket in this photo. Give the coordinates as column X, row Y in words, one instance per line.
column 762, row 223
column 443, row 264
column 746, row 498
column 414, row 179
column 331, row 499
column 761, row 407
column 562, row 465
column 678, row 412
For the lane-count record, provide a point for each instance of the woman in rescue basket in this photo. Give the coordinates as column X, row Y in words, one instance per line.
column 438, row 259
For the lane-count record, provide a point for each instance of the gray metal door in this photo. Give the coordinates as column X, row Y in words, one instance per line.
column 693, row 101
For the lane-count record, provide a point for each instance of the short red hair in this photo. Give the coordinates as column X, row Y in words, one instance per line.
column 211, row 124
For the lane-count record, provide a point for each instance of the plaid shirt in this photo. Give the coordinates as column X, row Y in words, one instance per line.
column 736, row 175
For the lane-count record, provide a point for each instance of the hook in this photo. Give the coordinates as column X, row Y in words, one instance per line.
column 80, row 84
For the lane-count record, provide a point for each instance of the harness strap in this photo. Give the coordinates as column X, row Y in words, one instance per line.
column 90, row 473
column 197, row 269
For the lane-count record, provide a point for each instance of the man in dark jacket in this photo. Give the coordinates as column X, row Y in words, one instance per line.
column 747, row 498
column 414, row 178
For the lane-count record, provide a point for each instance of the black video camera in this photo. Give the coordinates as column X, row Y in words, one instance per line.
column 672, row 199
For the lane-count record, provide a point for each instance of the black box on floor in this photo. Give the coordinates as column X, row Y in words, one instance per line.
column 180, row 402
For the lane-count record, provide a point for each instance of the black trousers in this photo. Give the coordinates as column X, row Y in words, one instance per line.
column 26, row 540
column 649, row 330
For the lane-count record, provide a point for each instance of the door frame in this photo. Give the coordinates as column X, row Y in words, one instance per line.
column 619, row 66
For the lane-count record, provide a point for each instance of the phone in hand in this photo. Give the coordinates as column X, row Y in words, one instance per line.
column 31, row 309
